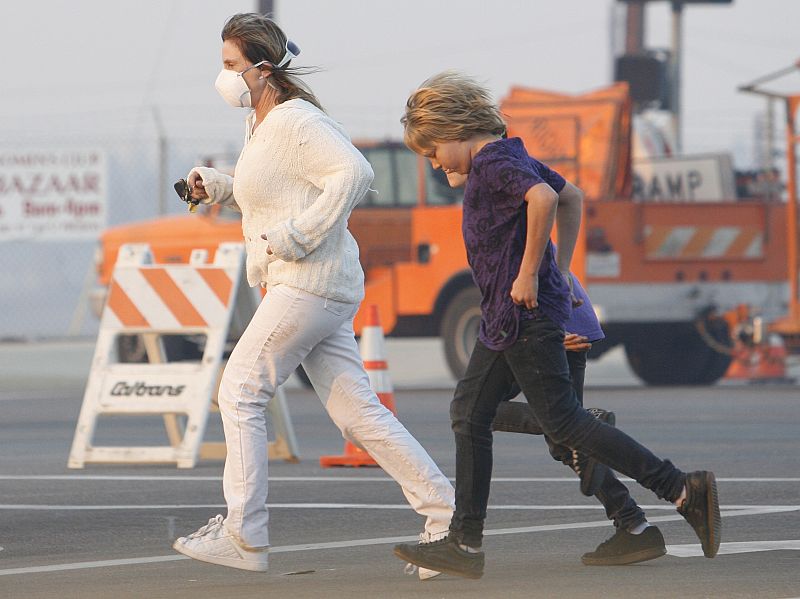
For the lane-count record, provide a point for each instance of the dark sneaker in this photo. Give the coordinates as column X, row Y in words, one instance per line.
column 701, row 510
column 590, row 471
column 603, row 415
column 443, row 555
column 424, row 573
column 624, row 548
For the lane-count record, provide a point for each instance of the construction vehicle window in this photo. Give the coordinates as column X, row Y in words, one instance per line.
column 439, row 192
column 380, row 159
column 395, row 177
column 407, row 175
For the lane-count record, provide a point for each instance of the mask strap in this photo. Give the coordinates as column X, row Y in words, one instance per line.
column 255, row 66
column 292, row 51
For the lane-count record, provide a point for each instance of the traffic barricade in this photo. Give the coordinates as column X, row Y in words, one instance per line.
column 155, row 301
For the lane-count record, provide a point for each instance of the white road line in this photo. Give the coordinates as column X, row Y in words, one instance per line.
column 696, row 550
column 340, row 544
column 355, row 506
column 373, row 479
column 88, row 565
column 25, row 395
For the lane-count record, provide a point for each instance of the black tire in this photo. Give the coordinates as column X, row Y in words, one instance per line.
column 677, row 354
column 460, row 329
column 130, row 349
column 179, row 348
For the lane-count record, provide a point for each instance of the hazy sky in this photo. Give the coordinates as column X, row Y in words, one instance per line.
column 98, row 66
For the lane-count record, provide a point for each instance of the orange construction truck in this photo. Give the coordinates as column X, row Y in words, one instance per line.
column 661, row 274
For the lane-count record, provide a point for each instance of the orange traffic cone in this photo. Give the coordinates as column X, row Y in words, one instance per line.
column 374, row 356
column 742, row 366
column 772, row 361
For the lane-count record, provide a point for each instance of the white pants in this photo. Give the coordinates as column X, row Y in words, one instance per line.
column 293, row 326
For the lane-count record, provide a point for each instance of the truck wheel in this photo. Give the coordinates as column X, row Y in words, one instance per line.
column 179, row 348
column 677, row 354
column 460, row 325
column 130, row 349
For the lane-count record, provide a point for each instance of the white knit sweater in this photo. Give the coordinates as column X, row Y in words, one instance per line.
column 297, row 180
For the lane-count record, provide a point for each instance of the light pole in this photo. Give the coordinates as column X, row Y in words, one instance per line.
column 676, row 55
column 634, row 44
column 267, row 7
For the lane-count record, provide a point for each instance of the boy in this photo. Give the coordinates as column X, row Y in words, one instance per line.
column 510, row 206
column 635, row 539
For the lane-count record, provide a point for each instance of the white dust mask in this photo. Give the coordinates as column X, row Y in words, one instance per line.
column 233, row 88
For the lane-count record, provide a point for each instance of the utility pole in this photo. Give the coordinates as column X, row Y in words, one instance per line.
column 162, row 161
column 675, row 72
column 267, row 7
column 634, row 28
column 634, row 45
column 770, row 136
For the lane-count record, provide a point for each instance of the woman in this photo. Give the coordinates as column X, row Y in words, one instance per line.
column 297, row 180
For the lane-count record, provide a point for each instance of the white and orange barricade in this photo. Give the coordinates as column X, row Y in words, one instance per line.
column 153, row 301
column 680, row 242
column 373, row 353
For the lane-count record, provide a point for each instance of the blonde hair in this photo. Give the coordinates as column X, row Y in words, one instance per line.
column 449, row 106
column 259, row 38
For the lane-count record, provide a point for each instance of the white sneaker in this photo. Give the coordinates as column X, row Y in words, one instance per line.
column 213, row 543
column 425, row 573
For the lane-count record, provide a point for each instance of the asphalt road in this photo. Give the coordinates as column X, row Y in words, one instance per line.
column 106, row 531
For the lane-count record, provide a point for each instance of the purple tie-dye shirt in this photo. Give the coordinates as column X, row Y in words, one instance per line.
column 583, row 320
column 495, row 226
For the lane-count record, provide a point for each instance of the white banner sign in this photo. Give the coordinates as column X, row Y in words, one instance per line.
column 52, row 194
column 703, row 178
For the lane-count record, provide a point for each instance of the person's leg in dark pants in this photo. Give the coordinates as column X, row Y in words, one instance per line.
column 634, row 540
column 614, row 496
column 576, row 360
column 486, row 381
column 472, row 410
column 517, row 417
column 539, row 364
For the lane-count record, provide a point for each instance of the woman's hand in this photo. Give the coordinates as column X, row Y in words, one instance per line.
column 525, row 291
column 575, row 342
column 196, row 184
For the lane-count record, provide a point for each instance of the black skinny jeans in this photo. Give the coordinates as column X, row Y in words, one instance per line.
column 517, row 417
column 537, row 362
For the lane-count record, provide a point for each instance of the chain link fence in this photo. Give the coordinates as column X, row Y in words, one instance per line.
column 44, row 281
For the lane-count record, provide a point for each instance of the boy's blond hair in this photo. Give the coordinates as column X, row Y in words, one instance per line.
column 449, row 106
